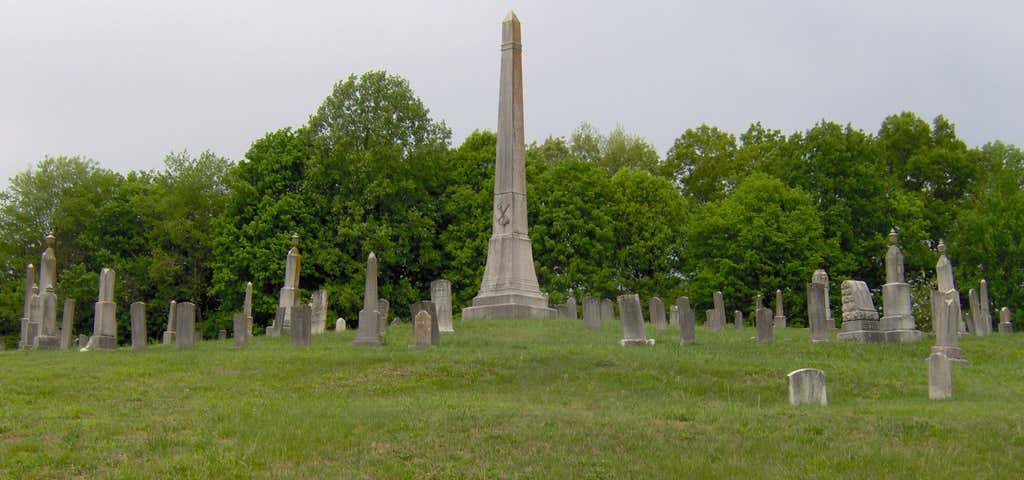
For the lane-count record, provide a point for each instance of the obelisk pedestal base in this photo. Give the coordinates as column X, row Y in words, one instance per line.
column 507, row 311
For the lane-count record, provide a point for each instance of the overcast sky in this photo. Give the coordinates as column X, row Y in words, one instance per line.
column 125, row 82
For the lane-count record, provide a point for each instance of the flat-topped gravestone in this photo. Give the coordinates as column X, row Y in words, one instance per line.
column 441, row 295
column 817, row 315
column 860, row 319
column 185, row 318
column 169, row 334
column 985, row 309
column 26, row 337
column 592, row 313
column 222, row 334
column 897, row 323
column 431, row 309
column 673, row 315
column 765, row 323
column 318, row 305
column 1005, row 321
column 369, row 319
column 607, row 310
column 138, row 320
column 737, row 319
column 940, row 376
column 422, row 327
column 509, row 287
column 657, row 309
column 247, row 309
column 383, row 309
column 570, row 309
column 302, row 320
column 687, row 333
column 633, row 331
column 820, row 276
column 807, row 387
column 240, row 329
column 67, row 322
column 780, row 318
column 104, row 335
column 48, row 337
column 974, row 323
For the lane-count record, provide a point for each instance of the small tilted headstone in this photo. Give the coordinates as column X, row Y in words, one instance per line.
column 633, row 331
column 817, row 312
column 657, row 308
column 185, row 317
column 765, row 323
column 687, row 331
column 222, row 334
column 807, row 387
column 422, row 330
column 940, row 376
column 302, row 324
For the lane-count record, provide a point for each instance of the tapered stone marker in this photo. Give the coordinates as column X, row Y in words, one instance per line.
column 673, row 315
column 169, row 334
column 940, row 377
column 607, row 310
column 946, row 311
column 807, row 387
column 441, row 295
column 509, row 288
column 817, row 313
column 67, row 323
column 687, row 333
column 633, row 331
column 1005, row 321
column 897, row 323
column 185, row 317
column 289, row 295
column 240, row 326
column 49, row 336
column 104, row 335
column 369, row 320
column 657, row 309
column 716, row 316
column 780, row 318
column 318, row 305
column 138, row 320
column 302, row 319
column 737, row 319
column 27, row 335
column 765, row 324
column 985, row 325
column 592, row 313
column 247, row 308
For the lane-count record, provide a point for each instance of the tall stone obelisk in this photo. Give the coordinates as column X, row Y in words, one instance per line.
column 509, row 288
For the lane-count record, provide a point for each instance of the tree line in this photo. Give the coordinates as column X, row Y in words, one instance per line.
column 372, row 171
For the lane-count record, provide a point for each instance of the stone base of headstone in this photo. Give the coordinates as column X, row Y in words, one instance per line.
column 1005, row 328
column 168, row 338
column 895, row 331
column 954, row 354
column 940, row 376
column 780, row 322
column 625, row 342
column 102, row 342
column 807, row 387
column 83, row 340
column 866, row 331
column 507, row 311
column 43, row 342
column 368, row 335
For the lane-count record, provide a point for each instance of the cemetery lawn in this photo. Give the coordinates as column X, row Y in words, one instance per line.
column 511, row 399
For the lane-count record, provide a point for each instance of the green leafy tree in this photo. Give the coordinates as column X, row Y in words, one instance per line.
column 702, row 162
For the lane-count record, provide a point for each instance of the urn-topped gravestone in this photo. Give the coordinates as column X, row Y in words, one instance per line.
column 289, row 295
column 897, row 323
column 946, row 311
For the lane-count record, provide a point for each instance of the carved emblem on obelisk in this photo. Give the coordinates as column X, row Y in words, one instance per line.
column 502, row 214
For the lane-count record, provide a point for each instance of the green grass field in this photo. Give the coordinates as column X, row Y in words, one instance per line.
column 510, row 399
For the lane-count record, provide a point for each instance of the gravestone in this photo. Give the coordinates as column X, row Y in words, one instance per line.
column 35, row 317
column 570, row 309
column 940, row 376
column 82, row 341
column 860, row 319
column 509, row 287
column 977, row 319
column 185, row 321
column 1005, row 321
column 441, row 295
column 422, row 327
column 339, row 325
column 383, row 308
column 673, row 315
column 247, row 309
column 171, row 324
column 104, row 335
column 817, row 314
column 946, row 311
column 657, row 308
column 240, row 329
column 765, row 323
column 301, row 328
column 138, row 321
column 737, row 319
column 27, row 336
column 821, row 277
column 222, row 334
column 607, row 310
column 807, row 387
column 592, row 313
column 289, row 295
column 780, row 318
column 431, row 309
column 633, row 331
column 986, row 310
column 716, row 316
column 369, row 319
column 897, row 323
column 67, row 323
column 687, row 333
column 48, row 265
column 49, row 336
column 318, row 305
column 561, row 311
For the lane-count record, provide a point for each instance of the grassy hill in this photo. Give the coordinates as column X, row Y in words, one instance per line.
column 503, row 399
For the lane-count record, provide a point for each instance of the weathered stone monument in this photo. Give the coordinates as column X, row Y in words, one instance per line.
column 441, row 295
column 940, row 376
column 633, row 331
column 975, row 323
column 431, row 309
column 240, row 329
column 983, row 317
column 946, row 312
column 422, row 326
column 687, row 334
column 318, row 306
column 765, row 324
column 302, row 321
column 820, row 276
column 817, row 312
column 247, row 309
column 383, row 308
column 138, row 321
column 289, row 295
column 716, row 316
column 807, row 387
column 1005, row 321
column 49, row 336
column 673, row 315
column 860, row 319
column 185, row 320
column 607, row 310
column 339, row 325
column 169, row 334
column 509, row 288
column 570, row 309
column 897, row 322
column 737, row 319
column 104, row 334
column 67, row 323
column 35, row 317
column 369, row 319
column 657, row 309
column 592, row 313
column 27, row 333
column 222, row 334
column 780, row 318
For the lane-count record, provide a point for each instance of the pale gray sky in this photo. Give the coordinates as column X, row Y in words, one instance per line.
column 125, row 82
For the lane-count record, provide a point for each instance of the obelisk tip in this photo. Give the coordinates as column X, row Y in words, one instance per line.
column 511, row 17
